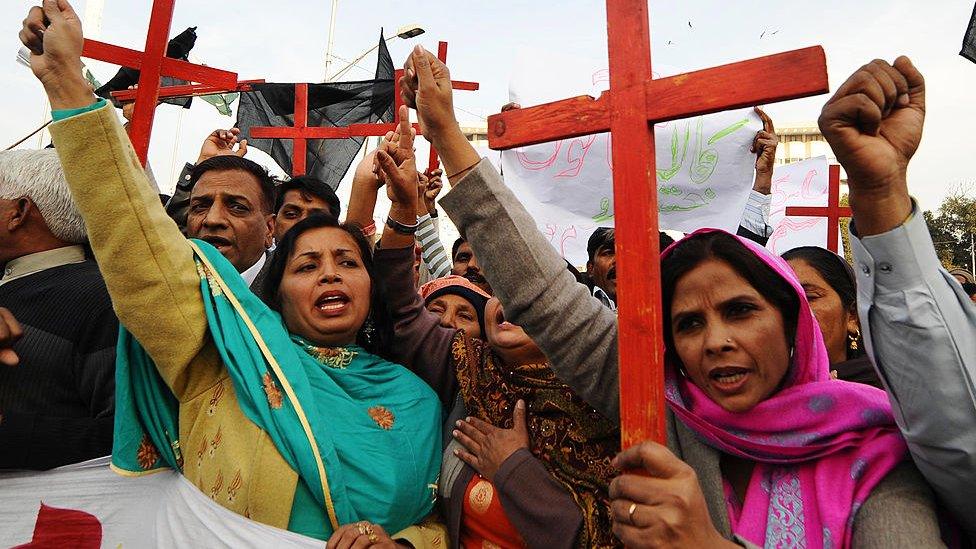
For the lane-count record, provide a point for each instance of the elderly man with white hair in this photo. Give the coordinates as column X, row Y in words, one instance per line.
column 57, row 327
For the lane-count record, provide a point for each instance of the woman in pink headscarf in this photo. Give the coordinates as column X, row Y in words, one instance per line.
column 747, row 372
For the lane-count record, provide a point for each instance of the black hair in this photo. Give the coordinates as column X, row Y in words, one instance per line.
column 664, row 240
column 601, row 238
column 832, row 268
column 969, row 288
column 724, row 247
column 454, row 249
column 313, row 186
column 230, row 162
column 838, row 274
column 375, row 338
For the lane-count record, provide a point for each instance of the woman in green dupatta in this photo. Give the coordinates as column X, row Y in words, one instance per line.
column 292, row 419
column 306, row 374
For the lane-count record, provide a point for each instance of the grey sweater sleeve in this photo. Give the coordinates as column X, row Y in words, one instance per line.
column 575, row 331
column 900, row 512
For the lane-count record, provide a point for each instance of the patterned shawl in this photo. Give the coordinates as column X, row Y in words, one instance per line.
column 820, row 445
column 574, row 441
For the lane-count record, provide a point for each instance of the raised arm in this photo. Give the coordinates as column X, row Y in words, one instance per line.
column 919, row 328
column 420, row 342
column 147, row 264
column 575, row 331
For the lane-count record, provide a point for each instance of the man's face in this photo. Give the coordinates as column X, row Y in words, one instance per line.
column 603, row 270
column 467, row 266
column 297, row 205
column 227, row 210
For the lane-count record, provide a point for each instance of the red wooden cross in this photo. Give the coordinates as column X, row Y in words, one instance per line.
column 300, row 133
column 152, row 65
column 628, row 110
column 833, row 212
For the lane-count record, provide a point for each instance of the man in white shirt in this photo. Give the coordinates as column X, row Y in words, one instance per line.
column 231, row 205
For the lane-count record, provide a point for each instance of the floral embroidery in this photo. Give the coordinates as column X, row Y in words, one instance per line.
column 201, row 451
column 215, row 442
column 215, row 399
column 383, row 417
column 480, row 497
column 147, row 455
column 234, row 487
column 217, row 485
column 205, row 274
column 784, row 527
column 333, row 357
column 272, row 391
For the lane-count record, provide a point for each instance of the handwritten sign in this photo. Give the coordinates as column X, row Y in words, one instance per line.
column 704, row 172
column 705, row 168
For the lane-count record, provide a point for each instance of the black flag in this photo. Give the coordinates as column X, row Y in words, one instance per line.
column 331, row 105
column 178, row 48
column 969, row 41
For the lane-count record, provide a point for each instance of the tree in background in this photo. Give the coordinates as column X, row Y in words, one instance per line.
column 953, row 227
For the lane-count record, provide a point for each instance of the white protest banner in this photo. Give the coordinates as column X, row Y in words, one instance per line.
column 88, row 506
column 704, row 166
column 799, row 184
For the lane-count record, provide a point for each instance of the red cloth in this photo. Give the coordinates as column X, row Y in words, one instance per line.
column 483, row 522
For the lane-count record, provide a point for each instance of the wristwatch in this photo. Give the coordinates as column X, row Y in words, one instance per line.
column 398, row 227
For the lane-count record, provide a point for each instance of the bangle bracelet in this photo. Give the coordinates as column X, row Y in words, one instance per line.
column 401, row 228
column 469, row 168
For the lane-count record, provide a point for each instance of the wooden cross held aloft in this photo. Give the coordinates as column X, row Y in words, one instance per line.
column 300, row 133
column 628, row 111
column 833, row 212
column 153, row 64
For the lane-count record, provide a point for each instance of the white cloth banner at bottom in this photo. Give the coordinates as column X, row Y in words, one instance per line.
column 89, row 506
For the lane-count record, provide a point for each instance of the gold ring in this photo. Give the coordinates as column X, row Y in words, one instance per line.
column 630, row 513
column 362, row 527
column 371, row 534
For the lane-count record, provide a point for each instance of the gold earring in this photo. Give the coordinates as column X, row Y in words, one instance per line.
column 852, row 339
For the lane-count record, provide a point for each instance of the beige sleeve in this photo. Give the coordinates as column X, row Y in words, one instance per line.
column 147, row 264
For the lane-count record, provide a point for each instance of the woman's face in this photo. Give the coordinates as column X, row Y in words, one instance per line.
column 506, row 338
column 730, row 339
column 456, row 312
column 835, row 321
column 325, row 289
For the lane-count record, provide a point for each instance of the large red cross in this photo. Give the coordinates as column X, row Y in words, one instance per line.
column 628, row 111
column 301, row 133
column 153, row 64
column 833, row 212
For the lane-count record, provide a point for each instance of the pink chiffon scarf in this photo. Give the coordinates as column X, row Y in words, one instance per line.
column 820, row 445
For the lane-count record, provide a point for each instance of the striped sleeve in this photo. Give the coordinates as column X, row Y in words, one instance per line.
column 435, row 257
column 756, row 215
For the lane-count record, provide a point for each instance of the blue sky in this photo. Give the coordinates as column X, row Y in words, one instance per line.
column 286, row 40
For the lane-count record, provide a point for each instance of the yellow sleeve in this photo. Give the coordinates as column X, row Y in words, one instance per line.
column 147, row 264
column 429, row 534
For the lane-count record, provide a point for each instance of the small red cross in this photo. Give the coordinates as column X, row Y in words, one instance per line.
column 833, row 212
column 628, row 110
column 301, row 133
column 152, row 65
